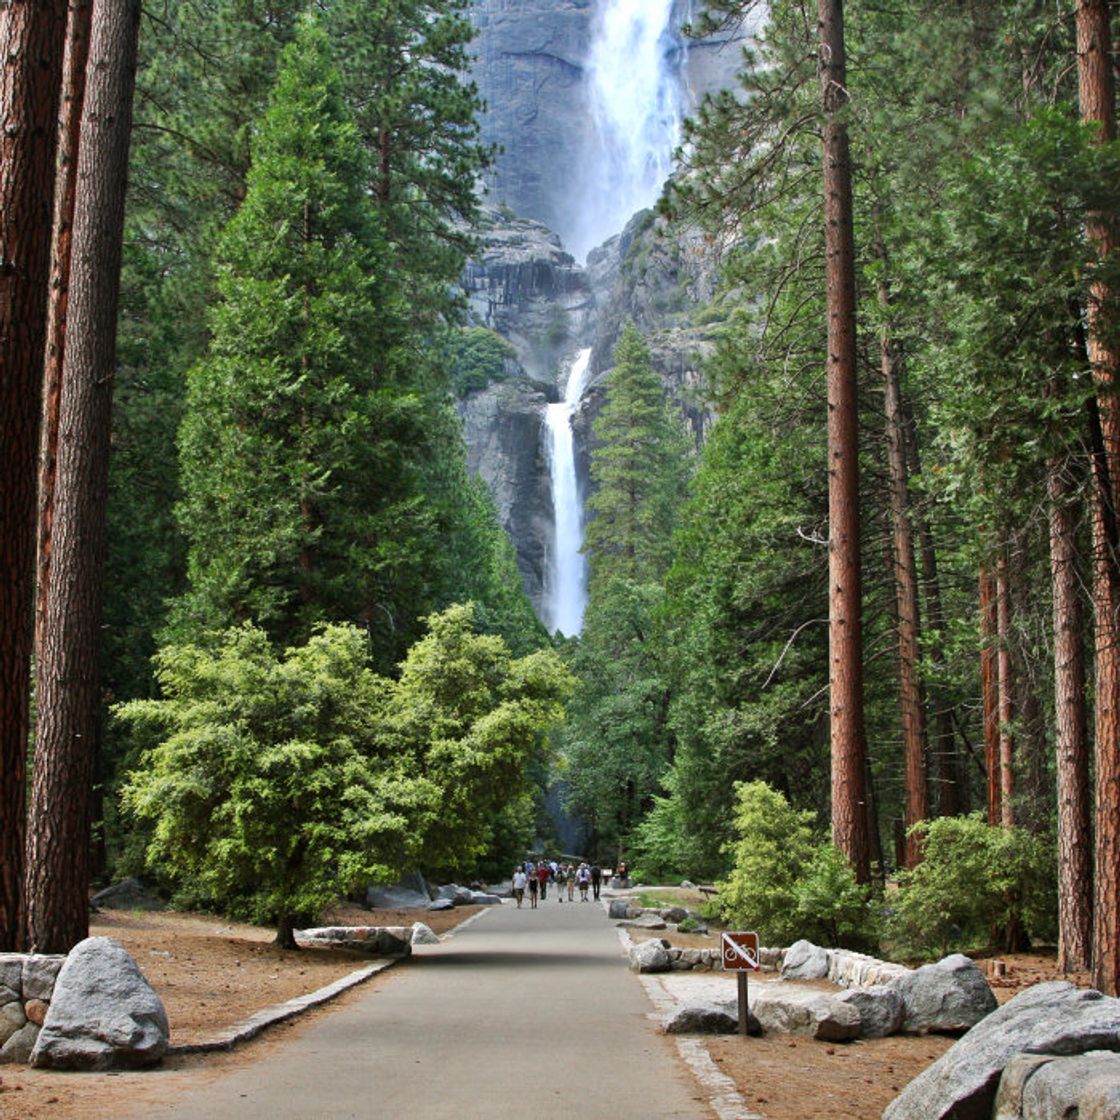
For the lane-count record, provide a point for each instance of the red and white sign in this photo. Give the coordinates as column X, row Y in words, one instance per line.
column 740, row 952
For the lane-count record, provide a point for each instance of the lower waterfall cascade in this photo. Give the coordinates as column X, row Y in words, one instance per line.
column 566, row 586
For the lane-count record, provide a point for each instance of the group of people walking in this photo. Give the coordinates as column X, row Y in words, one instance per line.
column 532, row 879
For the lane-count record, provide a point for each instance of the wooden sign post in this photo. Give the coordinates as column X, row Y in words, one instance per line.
column 740, row 955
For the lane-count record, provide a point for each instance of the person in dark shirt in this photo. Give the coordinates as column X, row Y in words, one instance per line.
column 596, row 879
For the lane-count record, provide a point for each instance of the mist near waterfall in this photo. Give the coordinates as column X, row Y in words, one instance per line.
column 636, row 98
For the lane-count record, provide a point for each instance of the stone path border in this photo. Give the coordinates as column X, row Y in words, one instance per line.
column 723, row 1094
column 281, row 1013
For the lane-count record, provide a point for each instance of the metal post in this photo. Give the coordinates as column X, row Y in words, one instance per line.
column 743, row 1007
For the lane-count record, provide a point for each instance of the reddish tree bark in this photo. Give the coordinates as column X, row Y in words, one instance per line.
column 1096, row 94
column 849, row 750
column 31, row 44
column 66, row 178
column 68, row 694
column 905, row 570
column 1075, row 879
column 989, row 692
column 1005, row 676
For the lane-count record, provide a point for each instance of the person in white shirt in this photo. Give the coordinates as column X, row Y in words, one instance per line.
column 519, row 881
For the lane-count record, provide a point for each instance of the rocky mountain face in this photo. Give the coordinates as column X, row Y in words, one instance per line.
column 526, row 288
column 533, row 71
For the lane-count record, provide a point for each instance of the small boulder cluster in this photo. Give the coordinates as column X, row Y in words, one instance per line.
column 91, row 1010
column 414, row 893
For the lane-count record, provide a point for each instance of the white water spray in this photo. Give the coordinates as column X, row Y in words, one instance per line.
column 566, row 590
column 637, row 106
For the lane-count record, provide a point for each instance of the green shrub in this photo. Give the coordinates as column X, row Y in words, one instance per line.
column 977, row 884
column 785, row 884
column 478, row 357
column 689, row 925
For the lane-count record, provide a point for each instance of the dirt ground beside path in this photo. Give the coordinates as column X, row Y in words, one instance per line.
column 212, row 973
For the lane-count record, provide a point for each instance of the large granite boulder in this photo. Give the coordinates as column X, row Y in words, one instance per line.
column 423, row 935
column 619, row 908
column 1042, row 1087
column 375, row 941
column 805, row 961
column 1050, row 1018
column 881, row 1009
column 649, row 956
column 103, row 1014
column 819, row 1015
column 410, row 892
column 441, row 904
column 709, row 1018
column 483, row 898
column 455, row 894
column 948, row 997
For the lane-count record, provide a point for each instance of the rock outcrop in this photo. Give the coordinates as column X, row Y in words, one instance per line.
column 375, row 941
column 1050, row 1018
column 102, row 1014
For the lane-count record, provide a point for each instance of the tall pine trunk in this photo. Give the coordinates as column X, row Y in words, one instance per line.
column 905, row 571
column 1075, row 879
column 69, row 700
column 989, row 693
column 1096, row 95
column 849, row 808
column 1006, row 678
column 66, row 180
column 32, row 34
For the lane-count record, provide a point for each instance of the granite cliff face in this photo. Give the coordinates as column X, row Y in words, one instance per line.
column 536, row 69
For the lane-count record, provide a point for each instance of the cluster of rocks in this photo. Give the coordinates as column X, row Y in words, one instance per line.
column 877, row 999
column 658, row 955
column 413, row 893
column 89, row 1010
column 1049, row 1052
column 26, row 985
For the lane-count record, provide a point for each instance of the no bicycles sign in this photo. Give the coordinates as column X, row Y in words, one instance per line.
column 740, row 952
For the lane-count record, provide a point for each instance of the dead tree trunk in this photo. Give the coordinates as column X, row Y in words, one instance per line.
column 69, row 700
column 32, row 35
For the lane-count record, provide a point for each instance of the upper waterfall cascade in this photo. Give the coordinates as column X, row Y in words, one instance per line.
column 637, row 103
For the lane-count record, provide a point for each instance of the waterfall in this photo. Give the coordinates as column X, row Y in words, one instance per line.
column 566, row 587
column 636, row 98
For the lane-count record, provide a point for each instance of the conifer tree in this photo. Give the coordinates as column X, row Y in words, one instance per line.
column 299, row 500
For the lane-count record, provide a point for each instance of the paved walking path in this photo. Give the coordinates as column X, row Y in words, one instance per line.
column 523, row 1013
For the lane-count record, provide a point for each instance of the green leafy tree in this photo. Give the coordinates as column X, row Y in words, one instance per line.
column 263, row 781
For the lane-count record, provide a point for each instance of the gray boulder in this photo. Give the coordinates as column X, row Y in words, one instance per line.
column 459, row 896
column 674, row 914
column 482, row 898
column 423, row 935
column 103, row 1013
column 708, row 1018
column 11, row 976
column 1039, row 1087
column 40, row 972
column 397, row 897
column 20, row 1045
column 949, row 996
column 805, row 961
column 619, row 908
column 128, row 894
column 375, row 941
column 819, row 1015
column 441, row 904
column 1050, row 1018
column 649, row 956
column 646, row 921
column 12, row 1019
column 881, row 1009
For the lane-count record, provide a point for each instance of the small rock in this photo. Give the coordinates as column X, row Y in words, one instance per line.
column 649, row 956
column 441, row 904
column 12, row 1018
column 619, row 908
column 674, row 914
column 40, row 972
column 805, row 961
column 36, row 1011
column 708, row 1019
column 481, row 898
column 687, row 885
column 19, row 1047
column 423, row 935
column 646, row 921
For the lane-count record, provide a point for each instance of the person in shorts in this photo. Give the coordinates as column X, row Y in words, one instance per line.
column 534, row 890
column 519, row 881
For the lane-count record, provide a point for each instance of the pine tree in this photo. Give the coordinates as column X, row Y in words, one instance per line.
column 300, row 501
